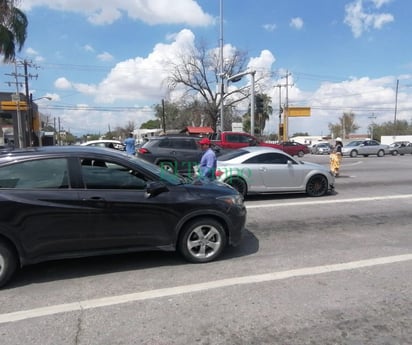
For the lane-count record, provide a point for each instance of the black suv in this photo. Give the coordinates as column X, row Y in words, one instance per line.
column 174, row 153
column 73, row 201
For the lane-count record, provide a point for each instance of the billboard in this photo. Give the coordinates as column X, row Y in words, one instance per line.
column 12, row 105
column 298, row 111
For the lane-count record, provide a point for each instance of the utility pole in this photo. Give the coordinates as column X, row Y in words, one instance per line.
column 280, row 127
column 372, row 117
column 396, row 107
column 285, row 127
column 19, row 119
column 18, row 134
column 24, row 124
column 29, row 100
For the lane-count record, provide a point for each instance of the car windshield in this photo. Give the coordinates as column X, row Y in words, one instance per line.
column 232, row 154
column 354, row 143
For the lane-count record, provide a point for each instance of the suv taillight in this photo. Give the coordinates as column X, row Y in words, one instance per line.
column 142, row 150
column 218, row 173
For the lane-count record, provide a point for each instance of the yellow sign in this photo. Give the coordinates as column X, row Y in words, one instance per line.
column 298, row 111
column 11, row 105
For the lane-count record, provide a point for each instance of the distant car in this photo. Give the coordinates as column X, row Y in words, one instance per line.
column 259, row 169
column 237, row 140
column 71, row 201
column 321, row 149
column 176, row 154
column 294, row 148
column 112, row 144
column 365, row 148
column 401, row 148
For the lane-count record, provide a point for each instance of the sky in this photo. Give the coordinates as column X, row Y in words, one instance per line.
column 104, row 63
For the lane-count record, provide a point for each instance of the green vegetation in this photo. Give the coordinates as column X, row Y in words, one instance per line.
column 13, row 29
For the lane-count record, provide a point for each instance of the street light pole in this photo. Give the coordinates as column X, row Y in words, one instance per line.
column 222, row 75
column 237, row 77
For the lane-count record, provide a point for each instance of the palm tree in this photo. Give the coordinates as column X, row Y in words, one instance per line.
column 263, row 110
column 13, row 29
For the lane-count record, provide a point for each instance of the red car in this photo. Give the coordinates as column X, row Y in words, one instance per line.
column 237, row 140
column 292, row 147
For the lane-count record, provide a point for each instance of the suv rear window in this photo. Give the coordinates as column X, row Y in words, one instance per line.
column 174, row 143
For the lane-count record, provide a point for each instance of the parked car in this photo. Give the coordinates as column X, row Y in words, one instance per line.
column 73, row 201
column 365, row 148
column 267, row 170
column 177, row 154
column 401, row 148
column 111, row 144
column 321, row 149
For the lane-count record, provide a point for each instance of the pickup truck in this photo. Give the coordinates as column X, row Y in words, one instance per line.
column 236, row 140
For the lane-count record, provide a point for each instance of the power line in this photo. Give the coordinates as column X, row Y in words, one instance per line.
column 99, row 108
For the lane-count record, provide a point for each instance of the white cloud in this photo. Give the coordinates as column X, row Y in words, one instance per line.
column 34, row 54
column 31, row 51
column 138, row 82
column 88, row 48
column 359, row 20
column 153, row 12
column 269, row 27
column 380, row 3
column 143, row 78
column 262, row 64
column 362, row 96
column 296, row 23
column 62, row 84
column 105, row 56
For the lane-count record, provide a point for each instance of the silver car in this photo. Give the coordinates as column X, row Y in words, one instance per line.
column 400, row 148
column 365, row 148
column 321, row 149
column 257, row 169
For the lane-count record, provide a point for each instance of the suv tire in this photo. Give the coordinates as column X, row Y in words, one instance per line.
column 8, row 263
column 202, row 240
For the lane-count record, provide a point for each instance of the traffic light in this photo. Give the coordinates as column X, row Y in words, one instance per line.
column 260, row 104
column 281, row 130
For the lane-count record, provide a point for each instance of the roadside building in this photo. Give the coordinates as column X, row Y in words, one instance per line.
column 20, row 115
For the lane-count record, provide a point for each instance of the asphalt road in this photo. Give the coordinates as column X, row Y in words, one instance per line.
column 331, row 270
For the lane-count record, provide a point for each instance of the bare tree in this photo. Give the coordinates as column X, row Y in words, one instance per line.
column 345, row 126
column 199, row 73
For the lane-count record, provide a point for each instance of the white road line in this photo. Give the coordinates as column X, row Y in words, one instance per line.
column 332, row 201
column 178, row 290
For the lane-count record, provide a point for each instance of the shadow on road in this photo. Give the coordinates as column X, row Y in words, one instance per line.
column 98, row 265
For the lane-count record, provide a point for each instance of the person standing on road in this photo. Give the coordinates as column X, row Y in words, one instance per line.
column 336, row 157
column 130, row 144
column 207, row 167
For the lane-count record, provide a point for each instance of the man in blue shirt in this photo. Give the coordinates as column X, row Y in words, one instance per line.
column 130, row 144
column 207, row 167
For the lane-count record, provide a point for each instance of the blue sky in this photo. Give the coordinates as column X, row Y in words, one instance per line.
column 103, row 62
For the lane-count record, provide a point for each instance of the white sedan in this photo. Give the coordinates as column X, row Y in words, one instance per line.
column 257, row 169
column 365, row 148
column 112, row 144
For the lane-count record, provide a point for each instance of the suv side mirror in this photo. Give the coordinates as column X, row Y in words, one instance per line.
column 155, row 188
column 252, row 142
